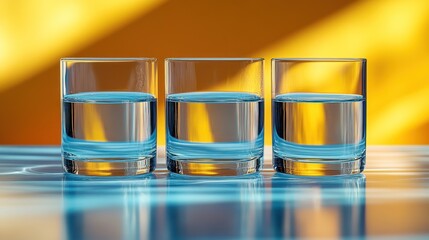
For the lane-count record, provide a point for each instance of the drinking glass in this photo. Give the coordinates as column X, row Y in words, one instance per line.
column 319, row 116
column 108, row 115
column 214, row 116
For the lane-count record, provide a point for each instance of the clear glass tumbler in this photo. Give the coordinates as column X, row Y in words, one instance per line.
column 319, row 116
column 108, row 115
column 214, row 116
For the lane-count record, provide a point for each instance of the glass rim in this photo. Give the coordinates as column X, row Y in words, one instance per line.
column 225, row 59
column 318, row 59
column 107, row 59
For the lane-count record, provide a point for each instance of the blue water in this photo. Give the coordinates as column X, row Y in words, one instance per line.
column 319, row 126
column 119, row 126
column 211, row 126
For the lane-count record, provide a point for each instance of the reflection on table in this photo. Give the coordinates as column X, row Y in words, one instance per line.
column 39, row 201
column 108, row 209
column 326, row 208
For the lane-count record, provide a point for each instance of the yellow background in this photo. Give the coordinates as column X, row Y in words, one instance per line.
column 392, row 34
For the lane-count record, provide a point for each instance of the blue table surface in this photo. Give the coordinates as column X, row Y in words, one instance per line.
column 390, row 200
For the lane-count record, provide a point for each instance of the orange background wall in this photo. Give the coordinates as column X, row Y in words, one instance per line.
column 392, row 34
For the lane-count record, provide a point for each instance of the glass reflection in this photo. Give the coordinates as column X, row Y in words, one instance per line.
column 308, row 207
column 114, row 208
column 201, row 207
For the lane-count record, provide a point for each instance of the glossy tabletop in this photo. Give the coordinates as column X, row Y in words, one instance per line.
column 390, row 200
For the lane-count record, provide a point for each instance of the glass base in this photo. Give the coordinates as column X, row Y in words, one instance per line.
column 318, row 167
column 110, row 167
column 215, row 167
